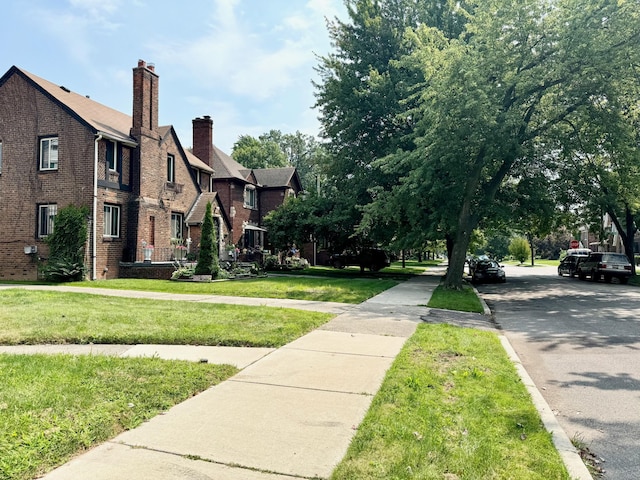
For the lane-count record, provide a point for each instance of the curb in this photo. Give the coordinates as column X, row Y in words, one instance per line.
column 570, row 456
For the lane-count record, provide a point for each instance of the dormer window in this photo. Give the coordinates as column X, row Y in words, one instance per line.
column 250, row 199
column 49, row 153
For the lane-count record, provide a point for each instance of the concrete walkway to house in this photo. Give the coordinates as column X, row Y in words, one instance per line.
column 290, row 413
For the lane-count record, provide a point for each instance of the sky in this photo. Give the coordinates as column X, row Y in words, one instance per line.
column 249, row 64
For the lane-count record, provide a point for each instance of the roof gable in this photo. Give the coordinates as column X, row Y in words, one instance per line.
column 227, row 167
column 276, row 177
column 102, row 119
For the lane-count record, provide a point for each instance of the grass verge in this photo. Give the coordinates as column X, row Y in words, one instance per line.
column 321, row 289
column 54, row 407
column 33, row 317
column 452, row 407
column 464, row 300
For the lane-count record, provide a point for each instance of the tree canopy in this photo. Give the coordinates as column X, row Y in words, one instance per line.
column 434, row 120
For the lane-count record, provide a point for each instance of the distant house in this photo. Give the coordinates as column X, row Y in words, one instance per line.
column 141, row 186
column 247, row 195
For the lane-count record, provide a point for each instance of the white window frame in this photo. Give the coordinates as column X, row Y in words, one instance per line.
column 46, row 219
column 113, row 145
column 250, row 197
column 48, row 154
column 111, row 219
column 171, row 168
column 177, row 225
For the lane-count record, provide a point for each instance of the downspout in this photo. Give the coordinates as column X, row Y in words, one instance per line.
column 94, row 228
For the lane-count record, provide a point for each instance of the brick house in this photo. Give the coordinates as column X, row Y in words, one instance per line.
column 59, row 148
column 247, row 195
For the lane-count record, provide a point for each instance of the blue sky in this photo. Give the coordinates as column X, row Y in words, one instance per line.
column 246, row 63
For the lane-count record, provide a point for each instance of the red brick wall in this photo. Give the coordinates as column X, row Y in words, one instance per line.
column 26, row 116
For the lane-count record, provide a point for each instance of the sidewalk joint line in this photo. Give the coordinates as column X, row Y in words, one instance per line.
column 278, row 385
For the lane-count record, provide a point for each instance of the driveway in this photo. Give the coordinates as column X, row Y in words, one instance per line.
column 580, row 342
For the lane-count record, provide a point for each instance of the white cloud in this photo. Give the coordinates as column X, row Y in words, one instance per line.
column 251, row 62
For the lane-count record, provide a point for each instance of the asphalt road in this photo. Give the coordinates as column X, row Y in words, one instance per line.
column 580, row 342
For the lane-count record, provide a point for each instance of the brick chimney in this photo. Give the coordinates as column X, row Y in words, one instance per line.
column 145, row 100
column 203, row 139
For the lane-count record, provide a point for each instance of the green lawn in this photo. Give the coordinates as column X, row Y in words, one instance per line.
column 452, row 407
column 464, row 300
column 32, row 317
column 321, row 289
column 54, row 407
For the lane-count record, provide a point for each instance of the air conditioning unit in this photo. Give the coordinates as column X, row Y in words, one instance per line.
column 30, row 249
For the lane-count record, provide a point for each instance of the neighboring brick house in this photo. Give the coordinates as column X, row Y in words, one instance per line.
column 59, row 148
column 247, row 195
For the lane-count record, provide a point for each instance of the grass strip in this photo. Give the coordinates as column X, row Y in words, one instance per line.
column 464, row 300
column 54, row 407
column 35, row 317
column 321, row 289
column 452, row 407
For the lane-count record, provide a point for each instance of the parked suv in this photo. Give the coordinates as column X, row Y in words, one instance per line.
column 372, row 258
column 606, row 265
column 568, row 265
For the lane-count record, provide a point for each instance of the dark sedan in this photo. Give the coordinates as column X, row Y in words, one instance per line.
column 488, row 271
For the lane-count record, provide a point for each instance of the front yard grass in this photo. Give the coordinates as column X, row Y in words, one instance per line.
column 464, row 300
column 33, row 317
column 452, row 407
column 321, row 289
column 54, row 407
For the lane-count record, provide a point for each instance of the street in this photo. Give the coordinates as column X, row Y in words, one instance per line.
column 580, row 342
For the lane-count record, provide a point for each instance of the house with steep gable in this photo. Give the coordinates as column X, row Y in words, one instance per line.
column 142, row 188
column 247, row 195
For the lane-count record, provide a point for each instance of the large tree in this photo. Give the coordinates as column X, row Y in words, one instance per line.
column 260, row 152
column 364, row 96
column 494, row 102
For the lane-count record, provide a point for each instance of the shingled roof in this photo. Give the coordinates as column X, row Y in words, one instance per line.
column 227, row 167
column 274, row 177
column 102, row 119
column 196, row 215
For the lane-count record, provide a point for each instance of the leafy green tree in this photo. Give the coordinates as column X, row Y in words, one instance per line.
column 301, row 219
column 519, row 249
column 208, row 263
column 495, row 103
column 251, row 153
column 67, row 245
column 366, row 99
column 497, row 247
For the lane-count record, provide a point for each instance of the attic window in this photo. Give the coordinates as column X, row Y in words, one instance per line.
column 171, row 168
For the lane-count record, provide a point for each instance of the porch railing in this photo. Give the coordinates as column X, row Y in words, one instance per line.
column 164, row 254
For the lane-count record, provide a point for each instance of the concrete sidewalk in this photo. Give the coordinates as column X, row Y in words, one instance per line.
column 290, row 413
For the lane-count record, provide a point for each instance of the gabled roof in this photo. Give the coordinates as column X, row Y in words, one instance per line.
column 199, row 209
column 276, row 177
column 194, row 161
column 227, row 167
column 102, row 119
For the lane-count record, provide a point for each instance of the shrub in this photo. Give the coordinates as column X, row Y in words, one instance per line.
column 67, row 245
column 208, row 257
column 519, row 249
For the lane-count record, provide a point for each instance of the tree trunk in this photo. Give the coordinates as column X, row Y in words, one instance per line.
column 466, row 224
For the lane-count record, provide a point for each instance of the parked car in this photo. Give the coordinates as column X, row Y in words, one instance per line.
column 568, row 265
column 488, row 271
column 606, row 265
column 372, row 258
